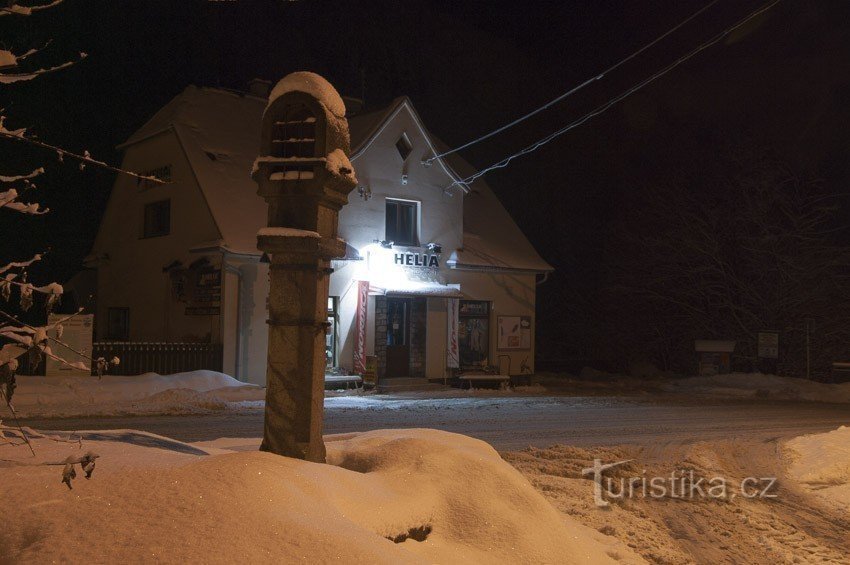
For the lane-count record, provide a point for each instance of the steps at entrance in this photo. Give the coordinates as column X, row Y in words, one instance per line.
column 407, row 384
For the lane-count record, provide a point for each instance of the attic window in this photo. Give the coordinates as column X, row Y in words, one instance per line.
column 404, row 147
column 295, row 134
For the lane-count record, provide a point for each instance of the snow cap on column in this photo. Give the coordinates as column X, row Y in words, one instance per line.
column 312, row 84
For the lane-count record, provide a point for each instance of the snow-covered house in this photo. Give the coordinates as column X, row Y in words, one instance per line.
column 436, row 276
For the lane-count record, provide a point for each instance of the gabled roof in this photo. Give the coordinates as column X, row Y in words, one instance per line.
column 491, row 238
column 219, row 131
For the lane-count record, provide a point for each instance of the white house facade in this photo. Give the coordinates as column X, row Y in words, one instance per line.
column 437, row 278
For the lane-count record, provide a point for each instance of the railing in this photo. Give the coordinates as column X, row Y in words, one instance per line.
column 154, row 357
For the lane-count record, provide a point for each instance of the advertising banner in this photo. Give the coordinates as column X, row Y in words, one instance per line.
column 360, row 327
column 452, row 355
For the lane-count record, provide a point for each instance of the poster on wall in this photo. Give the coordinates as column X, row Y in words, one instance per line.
column 199, row 289
column 77, row 334
column 452, row 353
column 514, row 332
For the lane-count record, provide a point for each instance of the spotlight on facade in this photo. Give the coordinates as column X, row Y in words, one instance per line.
column 404, row 180
column 435, row 247
column 364, row 192
column 386, row 244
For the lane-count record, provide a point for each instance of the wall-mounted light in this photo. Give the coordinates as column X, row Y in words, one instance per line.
column 364, row 192
column 435, row 247
column 404, row 180
column 386, row 244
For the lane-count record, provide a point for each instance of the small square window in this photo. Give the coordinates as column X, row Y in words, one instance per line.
column 404, row 147
column 118, row 324
column 402, row 222
column 157, row 219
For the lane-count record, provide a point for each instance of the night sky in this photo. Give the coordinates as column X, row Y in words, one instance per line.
column 468, row 67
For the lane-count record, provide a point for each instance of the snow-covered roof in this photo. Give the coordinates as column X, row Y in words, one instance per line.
column 220, row 132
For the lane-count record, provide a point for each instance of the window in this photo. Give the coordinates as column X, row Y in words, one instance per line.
column 330, row 333
column 295, row 134
column 118, row 324
column 157, row 218
column 402, row 222
column 403, row 146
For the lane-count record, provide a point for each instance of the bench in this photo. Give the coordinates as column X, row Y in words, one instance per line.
column 334, row 382
column 482, row 377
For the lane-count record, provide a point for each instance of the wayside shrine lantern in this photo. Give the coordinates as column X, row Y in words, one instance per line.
column 304, row 174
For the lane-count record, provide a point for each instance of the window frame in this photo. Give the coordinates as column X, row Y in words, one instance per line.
column 417, row 220
column 404, row 140
column 149, row 206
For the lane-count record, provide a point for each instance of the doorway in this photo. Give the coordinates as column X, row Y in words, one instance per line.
column 398, row 337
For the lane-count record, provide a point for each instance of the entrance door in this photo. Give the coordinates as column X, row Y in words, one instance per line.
column 398, row 337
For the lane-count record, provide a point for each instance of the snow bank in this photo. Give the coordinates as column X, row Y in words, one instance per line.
column 390, row 496
column 147, row 393
column 821, row 463
column 760, row 385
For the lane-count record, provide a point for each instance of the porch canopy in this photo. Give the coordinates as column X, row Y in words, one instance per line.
column 417, row 289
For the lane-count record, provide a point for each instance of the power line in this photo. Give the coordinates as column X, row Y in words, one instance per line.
column 600, row 109
column 574, row 89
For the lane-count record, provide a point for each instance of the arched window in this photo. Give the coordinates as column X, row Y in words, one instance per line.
column 295, row 134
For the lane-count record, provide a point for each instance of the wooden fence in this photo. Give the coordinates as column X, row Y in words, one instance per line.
column 155, row 357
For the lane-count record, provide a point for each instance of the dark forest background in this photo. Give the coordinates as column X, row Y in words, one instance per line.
column 712, row 204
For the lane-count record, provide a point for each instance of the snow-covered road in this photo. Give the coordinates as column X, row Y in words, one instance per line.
column 515, row 422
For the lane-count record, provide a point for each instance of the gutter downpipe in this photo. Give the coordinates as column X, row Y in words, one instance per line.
column 237, row 366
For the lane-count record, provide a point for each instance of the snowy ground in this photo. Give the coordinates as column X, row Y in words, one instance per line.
column 757, row 385
column 182, row 393
column 388, row 484
column 395, row 496
column 453, row 491
column 201, row 392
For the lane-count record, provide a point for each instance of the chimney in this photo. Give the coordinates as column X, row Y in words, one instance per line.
column 353, row 106
column 259, row 87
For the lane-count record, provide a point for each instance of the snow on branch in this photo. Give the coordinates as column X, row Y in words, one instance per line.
column 85, row 158
column 15, row 9
column 18, row 178
column 9, row 78
column 21, row 264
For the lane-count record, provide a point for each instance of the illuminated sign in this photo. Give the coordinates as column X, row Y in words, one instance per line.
column 416, row 260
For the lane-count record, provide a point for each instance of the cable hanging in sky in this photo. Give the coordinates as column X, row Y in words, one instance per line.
column 573, row 90
column 600, row 109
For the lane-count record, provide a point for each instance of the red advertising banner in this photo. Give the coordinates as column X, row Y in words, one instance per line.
column 452, row 353
column 360, row 327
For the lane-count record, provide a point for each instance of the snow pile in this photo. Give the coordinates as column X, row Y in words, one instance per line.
column 760, row 385
column 821, row 463
column 337, row 163
column 312, row 84
column 392, row 496
column 148, row 393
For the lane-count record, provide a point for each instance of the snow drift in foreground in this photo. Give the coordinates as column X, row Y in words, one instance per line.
column 195, row 391
column 750, row 385
column 821, row 463
column 388, row 496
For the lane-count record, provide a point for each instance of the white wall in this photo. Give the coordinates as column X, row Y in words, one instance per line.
column 132, row 275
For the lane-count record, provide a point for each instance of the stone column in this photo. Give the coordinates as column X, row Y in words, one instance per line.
column 298, row 296
column 304, row 174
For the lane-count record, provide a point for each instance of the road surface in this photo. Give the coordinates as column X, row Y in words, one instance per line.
column 511, row 423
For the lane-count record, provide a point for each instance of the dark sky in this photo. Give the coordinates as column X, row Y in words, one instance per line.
column 468, row 67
